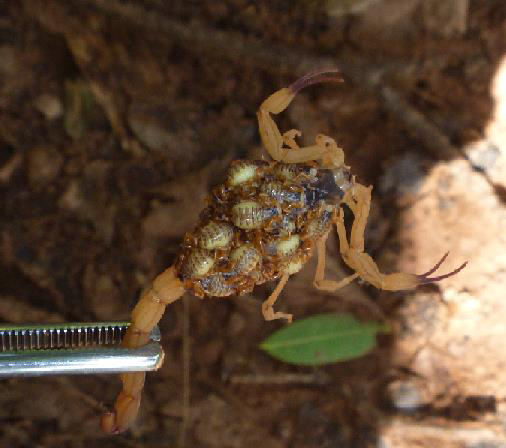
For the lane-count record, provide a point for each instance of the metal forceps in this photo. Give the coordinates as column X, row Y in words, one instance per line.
column 73, row 348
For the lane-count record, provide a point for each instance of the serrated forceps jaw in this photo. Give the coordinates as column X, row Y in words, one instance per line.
column 73, row 348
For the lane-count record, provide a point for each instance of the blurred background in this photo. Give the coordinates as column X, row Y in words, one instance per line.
column 118, row 116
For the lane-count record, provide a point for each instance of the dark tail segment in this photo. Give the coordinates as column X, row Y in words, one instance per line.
column 316, row 77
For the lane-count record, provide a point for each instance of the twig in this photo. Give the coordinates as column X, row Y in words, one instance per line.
column 316, row 378
column 196, row 37
column 418, row 125
column 186, row 373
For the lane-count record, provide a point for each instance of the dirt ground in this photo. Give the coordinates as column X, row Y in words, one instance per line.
column 116, row 118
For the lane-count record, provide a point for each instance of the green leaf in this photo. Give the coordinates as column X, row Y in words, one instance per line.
column 323, row 339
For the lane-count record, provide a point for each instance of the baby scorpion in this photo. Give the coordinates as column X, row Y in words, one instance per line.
column 263, row 225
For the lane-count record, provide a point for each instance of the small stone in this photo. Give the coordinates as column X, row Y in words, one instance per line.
column 44, row 165
column 483, row 155
column 405, row 396
column 50, row 106
column 72, row 199
column 153, row 125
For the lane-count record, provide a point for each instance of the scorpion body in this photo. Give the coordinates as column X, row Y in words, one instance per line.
column 263, row 224
column 258, row 225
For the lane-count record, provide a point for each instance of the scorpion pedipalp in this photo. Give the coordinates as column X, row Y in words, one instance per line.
column 424, row 278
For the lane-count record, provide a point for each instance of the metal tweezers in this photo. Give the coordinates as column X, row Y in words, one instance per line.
column 73, row 348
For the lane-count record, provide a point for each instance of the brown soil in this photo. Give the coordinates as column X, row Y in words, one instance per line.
column 117, row 117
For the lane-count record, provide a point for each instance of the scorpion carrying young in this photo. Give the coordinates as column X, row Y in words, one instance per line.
column 263, row 224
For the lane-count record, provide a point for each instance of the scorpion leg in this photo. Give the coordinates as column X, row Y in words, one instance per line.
column 319, row 279
column 166, row 288
column 267, row 306
column 359, row 201
column 325, row 147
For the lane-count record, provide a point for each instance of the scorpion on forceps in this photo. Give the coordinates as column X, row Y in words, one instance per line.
column 262, row 224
